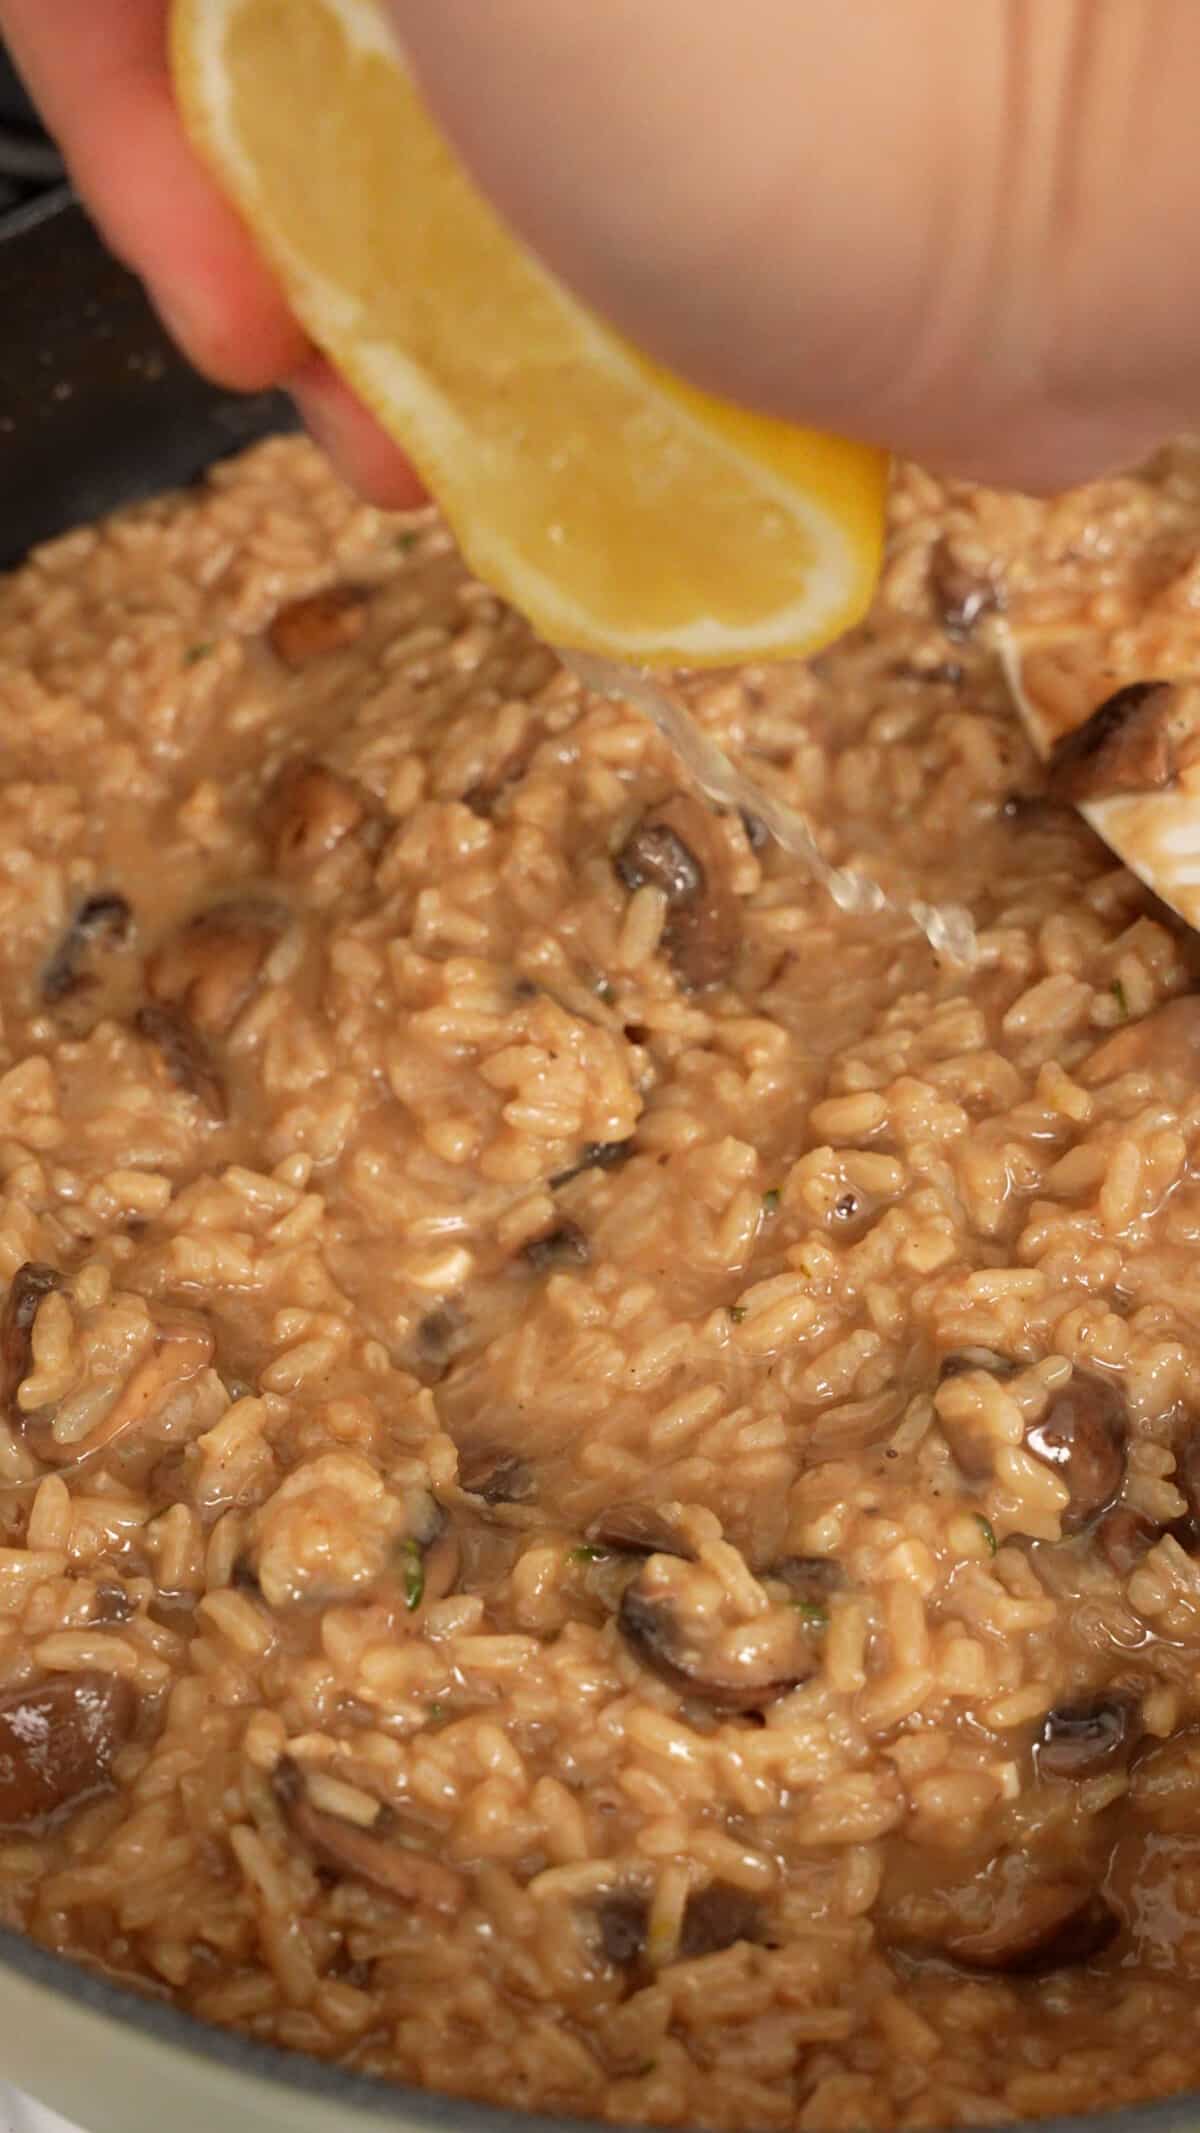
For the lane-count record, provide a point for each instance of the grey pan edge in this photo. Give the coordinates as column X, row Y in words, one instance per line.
column 109, row 2059
column 112, row 2061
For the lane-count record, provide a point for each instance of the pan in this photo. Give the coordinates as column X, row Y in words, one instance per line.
column 97, row 410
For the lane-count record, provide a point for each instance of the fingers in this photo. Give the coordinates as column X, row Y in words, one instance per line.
column 909, row 220
column 98, row 70
column 361, row 451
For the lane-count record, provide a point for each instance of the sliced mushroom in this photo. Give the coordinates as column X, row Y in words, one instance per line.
column 185, row 1056
column 1078, row 1739
column 211, row 967
column 1127, row 745
column 597, row 1155
column 496, row 1477
column 103, row 921
column 689, row 1646
column 58, row 1742
column 373, row 1855
column 810, row 1580
column 637, row 1529
column 564, row 1245
column 956, row 1364
column 322, row 622
column 1166, row 1043
column 311, row 811
column 30, row 1284
column 718, row 1917
column 1124, row 1537
column 623, row 1920
column 677, row 848
column 714, row 1918
column 1050, row 1926
column 1082, row 1437
column 961, row 597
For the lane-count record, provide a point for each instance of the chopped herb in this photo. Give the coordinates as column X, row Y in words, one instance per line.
column 771, row 1200
column 606, row 991
column 406, row 541
column 412, row 1572
column 586, row 1554
column 986, row 1530
column 811, row 1611
column 437, row 1711
column 198, row 651
column 737, row 1312
column 1119, row 995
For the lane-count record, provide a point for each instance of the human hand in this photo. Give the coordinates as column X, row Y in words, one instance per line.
column 960, row 230
column 98, row 71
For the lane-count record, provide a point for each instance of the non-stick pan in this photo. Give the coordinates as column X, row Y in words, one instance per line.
column 96, row 410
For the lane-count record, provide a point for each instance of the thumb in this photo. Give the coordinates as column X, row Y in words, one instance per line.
column 953, row 230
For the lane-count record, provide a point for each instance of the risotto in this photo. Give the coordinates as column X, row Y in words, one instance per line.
column 599, row 1462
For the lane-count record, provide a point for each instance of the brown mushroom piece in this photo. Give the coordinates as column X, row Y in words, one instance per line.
column 1128, row 745
column 58, row 1741
column 1123, row 1537
column 100, row 922
column 809, row 1580
column 211, row 967
column 310, row 812
column 718, row 1917
column 960, row 1360
column 187, row 1061
column 637, row 1529
column 1082, row 1438
column 320, row 623
column 688, row 1645
column 597, row 1155
column 1076, row 1740
column 564, row 1245
column 623, row 1920
column 677, row 848
column 496, row 1477
column 714, row 1918
column 1053, row 1925
column 29, row 1285
column 373, row 1854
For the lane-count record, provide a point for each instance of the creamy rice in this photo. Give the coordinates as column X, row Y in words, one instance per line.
column 599, row 1499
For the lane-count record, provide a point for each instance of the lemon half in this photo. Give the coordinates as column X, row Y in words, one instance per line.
column 625, row 513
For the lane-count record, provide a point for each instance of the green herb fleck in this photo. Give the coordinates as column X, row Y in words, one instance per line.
column 406, row 541
column 437, row 1711
column 585, row 1554
column 986, row 1530
column 198, row 651
column 412, row 1572
column 771, row 1200
column 606, row 991
column 737, row 1312
column 1119, row 995
column 812, row 1611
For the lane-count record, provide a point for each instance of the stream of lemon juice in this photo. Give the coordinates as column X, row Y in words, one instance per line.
column 947, row 927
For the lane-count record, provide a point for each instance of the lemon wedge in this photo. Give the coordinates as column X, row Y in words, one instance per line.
column 624, row 513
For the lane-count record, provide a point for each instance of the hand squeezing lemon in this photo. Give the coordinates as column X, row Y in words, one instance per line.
column 624, row 513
